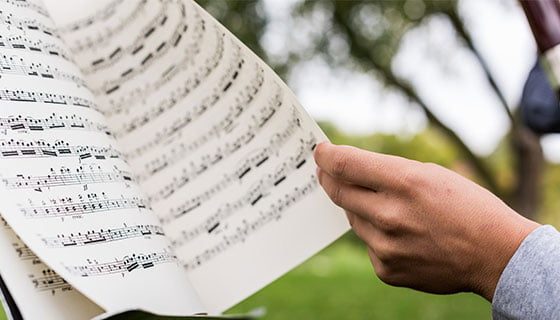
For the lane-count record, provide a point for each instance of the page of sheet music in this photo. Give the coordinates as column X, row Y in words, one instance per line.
column 216, row 140
column 46, row 295
column 65, row 187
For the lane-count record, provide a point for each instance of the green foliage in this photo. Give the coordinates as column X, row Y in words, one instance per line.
column 245, row 19
column 550, row 209
column 428, row 146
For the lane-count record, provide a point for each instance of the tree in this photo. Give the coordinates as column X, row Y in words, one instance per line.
column 374, row 51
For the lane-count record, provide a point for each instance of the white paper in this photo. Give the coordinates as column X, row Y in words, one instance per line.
column 37, row 290
column 219, row 147
column 61, row 174
column 219, row 144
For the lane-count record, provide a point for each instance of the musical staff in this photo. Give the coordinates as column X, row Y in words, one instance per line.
column 92, row 174
column 193, row 79
column 249, row 227
column 168, row 103
column 15, row 65
column 256, row 192
column 223, row 126
column 221, row 152
column 127, row 264
column 239, row 172
column 53, row 121
column 102, row 236
column 45, row 97
column 24, row 253
column 105, row 34
column 29, row 5
column 40, row 149
column 137, row 46
column 189, row 53
column 20, row 42
column 27, row 24
column 105, row 13
column 50, row 281
column 177, row 182
column 83, row 205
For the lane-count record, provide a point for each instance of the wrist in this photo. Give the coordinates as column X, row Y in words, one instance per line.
column 499, row 246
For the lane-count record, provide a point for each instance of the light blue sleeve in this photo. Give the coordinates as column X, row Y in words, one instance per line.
column 529, row 287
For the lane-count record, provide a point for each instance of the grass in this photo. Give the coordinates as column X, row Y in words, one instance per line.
column 339, row 283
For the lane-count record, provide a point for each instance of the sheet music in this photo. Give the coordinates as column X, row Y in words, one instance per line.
column 67, row 190
column 217, row 142
column 38, row 290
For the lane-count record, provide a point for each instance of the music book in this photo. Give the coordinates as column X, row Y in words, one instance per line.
column 148, row 161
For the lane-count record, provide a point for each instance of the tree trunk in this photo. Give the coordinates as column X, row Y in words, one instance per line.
column 529, row 168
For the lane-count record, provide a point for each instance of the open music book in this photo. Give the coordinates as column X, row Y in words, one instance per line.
column 148, row 161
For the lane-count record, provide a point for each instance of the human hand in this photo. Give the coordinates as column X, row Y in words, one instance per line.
column 425, row 227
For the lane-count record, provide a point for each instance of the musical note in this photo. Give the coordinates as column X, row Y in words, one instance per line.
column 238, row 173
column 209, row 101
column 50, row 281
column 53, row 121
column 124, row 265
column 193, row 79
column 4, row 223
column 45, row 97
column 16, row 65
column 137, row 46
column 24, row 253
column 102, row 236
column 223, row 126
column 104, row 35
column 41, row 148
column 27, row 24
column 221, row 152
column 249, row 227
column 83, row 205
column 64, row 176
column 29, row 5
column 105, row 13
column 256, row 192
column 177, row 182
column 20, row 42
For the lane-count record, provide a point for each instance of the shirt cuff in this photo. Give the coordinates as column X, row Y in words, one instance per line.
column 529, row 287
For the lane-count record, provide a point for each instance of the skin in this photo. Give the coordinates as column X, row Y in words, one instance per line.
column 425, row 227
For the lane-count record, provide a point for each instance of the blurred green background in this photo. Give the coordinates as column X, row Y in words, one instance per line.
column 365, row 37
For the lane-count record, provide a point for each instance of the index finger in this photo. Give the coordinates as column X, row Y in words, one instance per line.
column 356, row 166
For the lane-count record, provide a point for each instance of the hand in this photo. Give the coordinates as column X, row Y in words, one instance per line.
column 425, row 227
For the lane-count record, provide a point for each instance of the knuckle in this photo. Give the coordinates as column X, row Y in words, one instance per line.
column 389, row 223
column 385, row 252
column 413, row 177
column 340, row 164
column 385, row 274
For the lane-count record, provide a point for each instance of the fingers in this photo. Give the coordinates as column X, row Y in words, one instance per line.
column 363, row 228
column 348, row 196
column 355, row 166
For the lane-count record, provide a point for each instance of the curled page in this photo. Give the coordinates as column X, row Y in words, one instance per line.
column 216, row 140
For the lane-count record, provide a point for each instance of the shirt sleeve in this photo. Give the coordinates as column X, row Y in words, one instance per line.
column 529, row 287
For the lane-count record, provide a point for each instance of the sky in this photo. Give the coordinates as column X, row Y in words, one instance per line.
column 456, row 90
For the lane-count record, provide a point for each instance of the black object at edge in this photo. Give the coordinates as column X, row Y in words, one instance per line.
column 14, row 310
